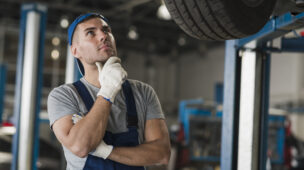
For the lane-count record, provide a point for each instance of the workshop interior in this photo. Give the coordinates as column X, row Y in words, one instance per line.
column 228, row 75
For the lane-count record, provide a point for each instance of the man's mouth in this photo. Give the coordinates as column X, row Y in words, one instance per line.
column 104, row 47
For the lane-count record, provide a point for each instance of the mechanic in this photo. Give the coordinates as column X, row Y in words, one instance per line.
column 105, row 121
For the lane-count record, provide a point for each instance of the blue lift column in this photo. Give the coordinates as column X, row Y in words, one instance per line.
column 28, row 86
column 246, row 95
column 3, row 70
column 2, row 89
column 230, row 107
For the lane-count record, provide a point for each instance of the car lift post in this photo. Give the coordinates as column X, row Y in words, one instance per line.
column 246, row 94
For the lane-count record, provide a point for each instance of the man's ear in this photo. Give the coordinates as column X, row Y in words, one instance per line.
column 74, row 50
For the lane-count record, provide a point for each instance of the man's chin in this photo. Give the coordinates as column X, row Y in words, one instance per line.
column 104, row 60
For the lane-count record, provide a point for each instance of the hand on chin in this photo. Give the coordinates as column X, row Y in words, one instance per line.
column 104, row 59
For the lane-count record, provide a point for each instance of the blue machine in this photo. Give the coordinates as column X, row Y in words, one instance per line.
column 276, row 138
column 202, row 128
column 2, row 88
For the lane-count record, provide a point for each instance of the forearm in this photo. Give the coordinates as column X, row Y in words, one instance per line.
column 89, row 131
column 155, row 152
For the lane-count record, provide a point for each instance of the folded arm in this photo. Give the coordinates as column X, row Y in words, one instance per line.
column 155, row 149
column 84, row 136
column 87, row 134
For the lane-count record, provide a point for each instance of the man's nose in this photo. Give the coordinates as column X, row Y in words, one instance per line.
column 102, row 35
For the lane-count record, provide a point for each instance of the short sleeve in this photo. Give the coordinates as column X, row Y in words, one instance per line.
column 61, row 102
column 153, row 105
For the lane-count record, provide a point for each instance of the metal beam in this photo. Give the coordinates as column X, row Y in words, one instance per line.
column 230, row 107
column 276, row 27
column 245, row 112
column 249, row 121
column 28, row 87
column 254, row 96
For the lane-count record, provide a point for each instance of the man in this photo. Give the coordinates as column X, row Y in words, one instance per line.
column 104, row 121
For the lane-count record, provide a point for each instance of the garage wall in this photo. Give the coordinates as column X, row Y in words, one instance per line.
column 287, row 86
column 199, row 74
column 194, row 75
column 286, row 78
column 187, row 76
column 156, row 70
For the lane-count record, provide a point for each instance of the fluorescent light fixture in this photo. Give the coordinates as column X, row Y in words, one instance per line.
column 132, row 34
column 55, row 54
column 64, row 23
column 55, row 41
column 163, row 13
column 181, row 41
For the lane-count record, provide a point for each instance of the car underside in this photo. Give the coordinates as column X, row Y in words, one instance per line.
column 227, row 19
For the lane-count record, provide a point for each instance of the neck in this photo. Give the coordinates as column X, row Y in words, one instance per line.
column 91, row 75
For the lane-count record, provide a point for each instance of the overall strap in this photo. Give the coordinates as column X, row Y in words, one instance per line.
column 84, row 94
column 131, row 106
column 129, row 100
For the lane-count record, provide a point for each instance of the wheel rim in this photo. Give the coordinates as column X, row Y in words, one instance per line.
column 252, row 3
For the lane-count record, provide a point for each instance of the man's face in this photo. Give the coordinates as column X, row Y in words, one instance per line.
column 93, row 41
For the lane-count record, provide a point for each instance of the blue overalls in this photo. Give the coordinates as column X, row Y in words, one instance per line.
column 129, row 138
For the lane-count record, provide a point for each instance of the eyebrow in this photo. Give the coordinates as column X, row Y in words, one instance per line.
column 90, row 28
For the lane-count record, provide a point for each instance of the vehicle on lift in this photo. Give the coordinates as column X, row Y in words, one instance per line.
column 227, row 19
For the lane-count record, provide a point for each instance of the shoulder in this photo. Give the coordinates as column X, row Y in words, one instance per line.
column 144, row 90
column 147, row 97
column 139, row 85
column 62, row 101
column 65, row 90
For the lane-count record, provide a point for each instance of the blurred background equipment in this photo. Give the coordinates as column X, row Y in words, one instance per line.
column 230, row 105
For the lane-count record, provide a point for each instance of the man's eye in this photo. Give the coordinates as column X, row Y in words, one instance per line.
column 106, row 29
column 90, row 33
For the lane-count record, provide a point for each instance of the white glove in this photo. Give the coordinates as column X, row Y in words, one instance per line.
column 111, row 76
column 103, row 150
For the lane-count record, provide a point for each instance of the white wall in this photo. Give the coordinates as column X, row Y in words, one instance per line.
column 199, row 74
column 287, row 86
column 177, row 78
column 286, row 82
column 160, row 74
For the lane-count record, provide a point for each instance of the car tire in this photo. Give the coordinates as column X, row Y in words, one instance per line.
column 220, row 19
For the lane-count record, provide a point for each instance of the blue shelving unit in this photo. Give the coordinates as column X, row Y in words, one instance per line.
column 202, row 128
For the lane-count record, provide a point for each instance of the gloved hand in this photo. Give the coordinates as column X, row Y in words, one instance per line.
column 103, row 150
column 111, row 76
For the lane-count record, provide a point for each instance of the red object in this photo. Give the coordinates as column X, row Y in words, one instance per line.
column 183, row 151
column 302, row 33
column 181, row 133
column 7, row 124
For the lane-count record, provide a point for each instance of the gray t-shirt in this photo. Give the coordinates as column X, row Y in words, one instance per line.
column 65, row 100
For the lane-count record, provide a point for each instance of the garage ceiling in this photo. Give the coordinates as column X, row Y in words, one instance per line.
column 154, row 35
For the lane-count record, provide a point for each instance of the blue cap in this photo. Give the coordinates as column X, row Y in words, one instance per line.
column 72, row 28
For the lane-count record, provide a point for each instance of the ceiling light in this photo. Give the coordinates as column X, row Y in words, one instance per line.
column 163, row 13
column 55, row 41
column 132, row 34
column 181, row 41
column 64, row 23
column 55, row 54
